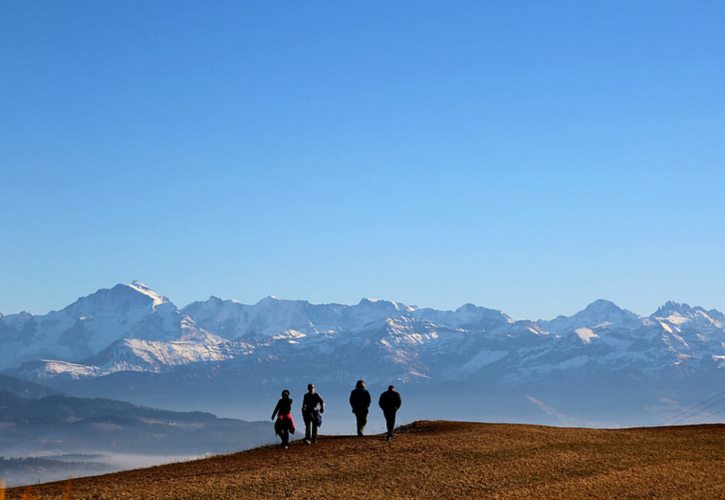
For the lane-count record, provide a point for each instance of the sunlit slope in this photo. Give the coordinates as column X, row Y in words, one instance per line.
column 436, row 459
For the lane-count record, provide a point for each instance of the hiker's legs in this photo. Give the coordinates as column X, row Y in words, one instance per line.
column 308, row 427
column 314, row 431
column 390, row 422
column 285, row 437
column 362, row 420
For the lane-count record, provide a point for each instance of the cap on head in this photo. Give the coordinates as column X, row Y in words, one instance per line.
column 391, row 387
column 310, row 386
column 360, row 383
column 285, row 393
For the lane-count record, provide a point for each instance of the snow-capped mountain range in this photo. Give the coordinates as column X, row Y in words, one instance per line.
column 132, row 328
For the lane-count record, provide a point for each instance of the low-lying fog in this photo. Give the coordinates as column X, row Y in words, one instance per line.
column 44, row 467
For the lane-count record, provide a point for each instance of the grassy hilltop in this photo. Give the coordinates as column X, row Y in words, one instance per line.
column 436, row 459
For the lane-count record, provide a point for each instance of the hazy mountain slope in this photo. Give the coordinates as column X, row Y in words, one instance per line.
column 67, row 424
column 24, row 388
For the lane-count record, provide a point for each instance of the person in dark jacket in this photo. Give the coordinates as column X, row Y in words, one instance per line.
column 360, row 402
column 284, row 426
column 312, row 409
column 390, row 402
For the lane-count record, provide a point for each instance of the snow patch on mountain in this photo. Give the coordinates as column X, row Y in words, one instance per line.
column 141, row 288
column 586, row 334
column 48, row 369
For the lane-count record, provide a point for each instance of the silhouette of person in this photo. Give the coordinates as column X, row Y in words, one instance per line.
column 390, row 402
column 312, row 409
column 284, row 426
column 360, row 402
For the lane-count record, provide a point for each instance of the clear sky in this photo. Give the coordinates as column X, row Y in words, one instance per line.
column 526, row 156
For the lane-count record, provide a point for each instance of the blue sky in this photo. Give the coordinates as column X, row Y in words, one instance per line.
column 527, row 156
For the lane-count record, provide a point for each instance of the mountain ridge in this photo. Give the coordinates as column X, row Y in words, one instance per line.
column 154, row 319
column 677, row 352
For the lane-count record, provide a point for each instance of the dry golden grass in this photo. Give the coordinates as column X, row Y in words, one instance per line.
column 442, row 460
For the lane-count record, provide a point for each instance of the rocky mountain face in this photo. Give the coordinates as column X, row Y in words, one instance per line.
column 92, row 323
column 129, row 329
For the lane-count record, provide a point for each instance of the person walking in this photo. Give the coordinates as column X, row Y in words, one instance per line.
column 360, row 402
column 312, row 409
column 284, row 426
column 390, row 403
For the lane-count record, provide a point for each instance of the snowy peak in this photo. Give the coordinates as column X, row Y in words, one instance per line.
column 602, row 306
column 605, row 311
column 143, row 289
column 469, row 314
column 384, row 306
column 93, row 322
column 671, row 307
column 269, row 300
column 272, row 303
column 681, row 314
column 269, row 317
column 119, row 299
column 599, row 314
column 213, row 299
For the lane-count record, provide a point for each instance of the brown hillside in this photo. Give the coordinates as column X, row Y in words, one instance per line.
column 441, row 460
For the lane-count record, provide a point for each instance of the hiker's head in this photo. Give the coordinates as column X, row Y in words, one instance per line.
column 285, row 393
column 311, row 388
column 360, row 384
column 391, row 387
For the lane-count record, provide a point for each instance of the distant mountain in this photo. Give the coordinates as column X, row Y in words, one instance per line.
column 598, row 314
column 63, row 424
column 92, row 323
column 131, row 342
column 24, row 388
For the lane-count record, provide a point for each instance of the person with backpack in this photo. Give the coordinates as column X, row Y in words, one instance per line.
column 284, row 425
column 312, row 409
column 390, row 403
column 360, row 402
